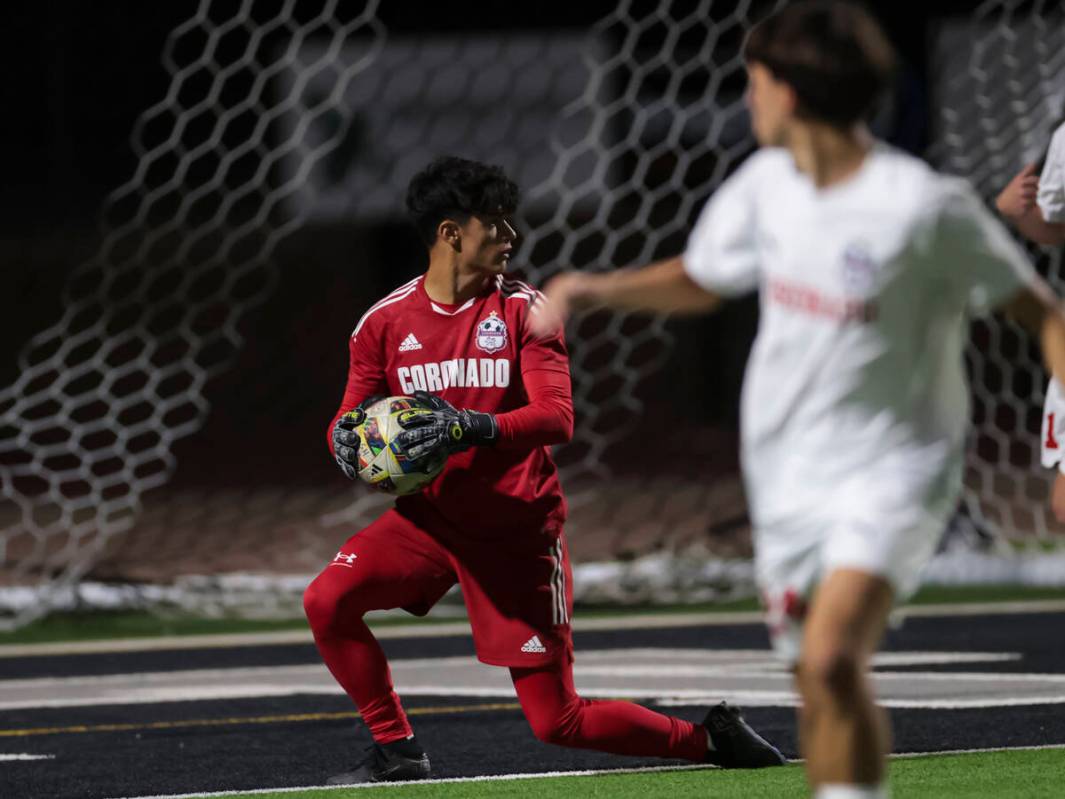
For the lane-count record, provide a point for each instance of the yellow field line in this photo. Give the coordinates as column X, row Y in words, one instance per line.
column 290, row 718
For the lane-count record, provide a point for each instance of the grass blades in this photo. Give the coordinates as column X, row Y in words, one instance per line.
column 1031, row 774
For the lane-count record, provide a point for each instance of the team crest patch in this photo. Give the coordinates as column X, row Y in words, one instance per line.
column 492, row 333
column 859, row 269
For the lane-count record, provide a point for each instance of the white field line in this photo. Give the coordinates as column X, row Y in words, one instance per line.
column 963, row 704
column 441, row 781
column 788, row 699
column 450, row 629
column 764, row 670
column 585, row 665
column 686, row 696
column 549, row 774
column 179, row 695
column 4, row 758
column 678, row 697
column 739, row 661
column 968, row 676
column 984, row 608
column 421, row 677
column 1040, row 747
column 381, row 631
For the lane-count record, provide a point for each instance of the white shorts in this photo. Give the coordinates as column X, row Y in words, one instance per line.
column 792, row 557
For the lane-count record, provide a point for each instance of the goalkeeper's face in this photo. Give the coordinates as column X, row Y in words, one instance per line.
column 771, row 103
column 487, row 242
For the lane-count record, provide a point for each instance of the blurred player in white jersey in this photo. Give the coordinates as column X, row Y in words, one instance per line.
column 1034, row 202
column 854, row 407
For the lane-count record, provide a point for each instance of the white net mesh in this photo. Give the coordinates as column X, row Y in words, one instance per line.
column 998, row 89
column 104, row 393
column 286, row 121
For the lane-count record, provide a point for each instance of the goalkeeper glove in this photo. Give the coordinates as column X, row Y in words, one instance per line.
column 346, row 440
column 450, row 429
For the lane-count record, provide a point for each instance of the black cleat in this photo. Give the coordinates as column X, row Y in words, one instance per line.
column 736, row 745
column 391, row 762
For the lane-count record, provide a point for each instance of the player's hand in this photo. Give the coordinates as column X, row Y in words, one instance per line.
column 346, row 440
column 448, row 429
column 564, row 294
column 346, row 443
column 1018, row 197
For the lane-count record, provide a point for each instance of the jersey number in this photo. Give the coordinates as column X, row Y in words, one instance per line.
column 1051, row 443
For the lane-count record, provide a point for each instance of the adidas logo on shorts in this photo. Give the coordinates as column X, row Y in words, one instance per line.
column 533, row 646
column 410, row 343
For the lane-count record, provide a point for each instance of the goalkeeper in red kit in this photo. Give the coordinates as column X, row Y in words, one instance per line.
column 458, row 338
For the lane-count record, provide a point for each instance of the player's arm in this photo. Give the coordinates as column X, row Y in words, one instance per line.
column 1017, row 203
column 1039, row 310
column 993, row 271
column 996, row 265
column 662, row 287
column 546, row 419
column 721, row 260
column 1057, row 497
column 366, row 382
column 1033, row 227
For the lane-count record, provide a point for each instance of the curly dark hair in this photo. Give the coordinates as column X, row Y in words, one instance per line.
column 456, row 188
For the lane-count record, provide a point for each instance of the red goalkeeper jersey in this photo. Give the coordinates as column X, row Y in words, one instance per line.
column 478, row 355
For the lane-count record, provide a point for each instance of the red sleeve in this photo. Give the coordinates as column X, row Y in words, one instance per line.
column 548, row 418
column 366, row 375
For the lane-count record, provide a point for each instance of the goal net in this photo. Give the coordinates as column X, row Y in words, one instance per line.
column 163, row 442
column 998, row 92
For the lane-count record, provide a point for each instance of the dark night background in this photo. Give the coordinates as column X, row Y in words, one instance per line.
column 77, row 76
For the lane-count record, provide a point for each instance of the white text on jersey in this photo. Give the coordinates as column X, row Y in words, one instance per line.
column 459, row 372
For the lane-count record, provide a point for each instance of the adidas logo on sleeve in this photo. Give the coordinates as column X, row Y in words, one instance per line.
column 410, row 343
column 533, row 646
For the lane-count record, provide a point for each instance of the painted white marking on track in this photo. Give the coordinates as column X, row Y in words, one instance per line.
column 6, row 757
column 674, row 676
column 786, row 699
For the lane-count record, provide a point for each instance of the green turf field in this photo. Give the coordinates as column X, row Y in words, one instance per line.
column 1019, row 774
column 139, row 624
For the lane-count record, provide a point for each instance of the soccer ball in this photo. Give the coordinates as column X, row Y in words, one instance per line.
column 381, row 465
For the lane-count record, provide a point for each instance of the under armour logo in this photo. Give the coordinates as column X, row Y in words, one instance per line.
column 344, row 560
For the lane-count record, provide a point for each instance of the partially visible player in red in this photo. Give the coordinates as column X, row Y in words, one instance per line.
column 459, row 337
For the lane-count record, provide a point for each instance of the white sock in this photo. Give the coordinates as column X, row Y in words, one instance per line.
column 841, row 791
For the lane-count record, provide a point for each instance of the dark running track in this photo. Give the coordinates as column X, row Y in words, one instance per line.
column 461, row 734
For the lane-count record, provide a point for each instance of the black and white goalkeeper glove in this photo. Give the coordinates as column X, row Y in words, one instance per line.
column 449, row 430
column 346, row 440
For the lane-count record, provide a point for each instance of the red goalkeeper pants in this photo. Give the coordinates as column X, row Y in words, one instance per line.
column 515, row 592
column 554, row 710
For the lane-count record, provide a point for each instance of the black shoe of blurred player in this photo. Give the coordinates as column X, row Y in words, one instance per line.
column 736, row 745
column 391, row 762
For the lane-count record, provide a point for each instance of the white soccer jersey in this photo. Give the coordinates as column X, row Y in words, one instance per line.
column 1051, row 196
column 854, row 404
column 1053, row 431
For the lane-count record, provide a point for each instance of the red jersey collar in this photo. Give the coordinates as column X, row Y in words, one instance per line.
column 454, row 309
